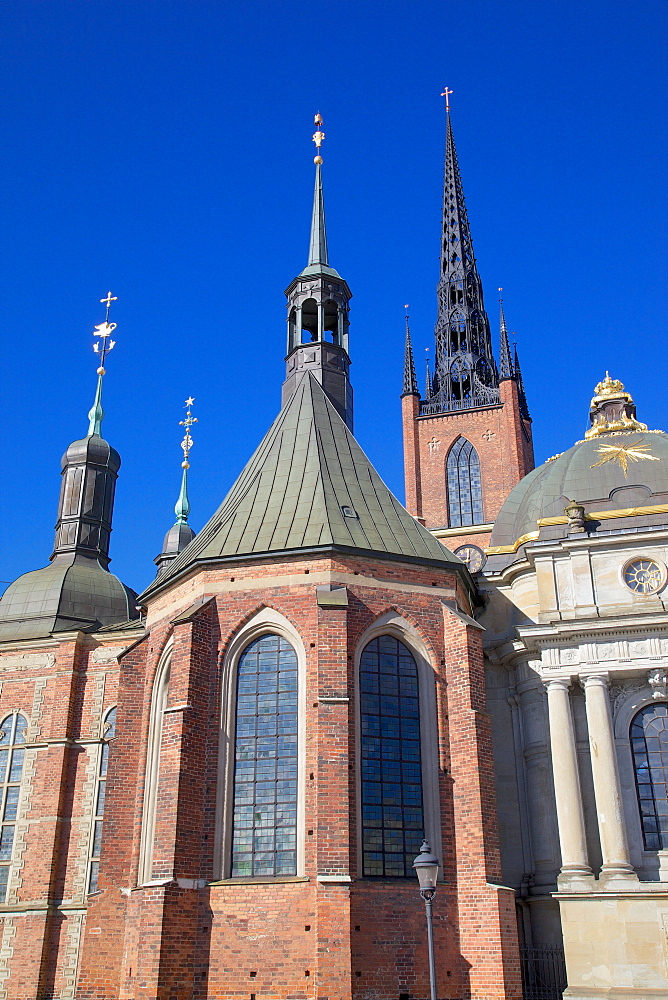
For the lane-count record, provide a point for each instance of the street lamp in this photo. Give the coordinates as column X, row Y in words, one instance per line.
column 426, row 869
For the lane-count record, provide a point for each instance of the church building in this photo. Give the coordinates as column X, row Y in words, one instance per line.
column 216, row 790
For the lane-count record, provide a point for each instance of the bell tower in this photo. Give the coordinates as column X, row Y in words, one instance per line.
column 467, row 441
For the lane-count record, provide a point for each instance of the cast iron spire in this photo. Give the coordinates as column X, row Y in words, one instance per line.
column 410, row 378
column 318, row 312
column 465, row 373
column 180, row 534
column 505, row 361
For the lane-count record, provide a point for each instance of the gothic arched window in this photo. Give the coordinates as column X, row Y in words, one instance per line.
column 264, row 824
column 392, row 813
column 12, row 752
column 464, row 485
column 108, row 733
column 152, row 774
column 649, row 741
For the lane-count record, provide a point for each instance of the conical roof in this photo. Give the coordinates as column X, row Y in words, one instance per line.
column 309, row 486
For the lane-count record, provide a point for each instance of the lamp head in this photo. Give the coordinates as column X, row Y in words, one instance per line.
column 426, row 867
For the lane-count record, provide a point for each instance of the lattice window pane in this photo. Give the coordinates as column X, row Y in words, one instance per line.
column 649, row 742
column 12, row 732
column 464, row 485
column 392, row 817
column 108, row 731
column 264, row 829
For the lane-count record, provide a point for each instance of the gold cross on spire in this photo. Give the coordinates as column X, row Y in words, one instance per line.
column 104, row 345
column 187, row 442
column 446, row 94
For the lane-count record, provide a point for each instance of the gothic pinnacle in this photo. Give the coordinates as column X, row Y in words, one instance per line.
column 505, row 360
column 410, row 378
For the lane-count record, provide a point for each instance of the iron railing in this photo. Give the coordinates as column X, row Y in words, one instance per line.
column 543, row 973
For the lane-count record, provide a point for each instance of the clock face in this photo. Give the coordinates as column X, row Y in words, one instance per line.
column 644, row 576
column 472, row 556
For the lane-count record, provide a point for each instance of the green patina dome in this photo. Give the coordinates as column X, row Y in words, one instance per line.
column 622, row 466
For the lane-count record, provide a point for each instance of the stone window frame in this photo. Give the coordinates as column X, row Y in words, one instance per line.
column 394, row 624
column 159, row 695
column 648, row 864
column 99, row 779
column 265, row 622
column 11, row 747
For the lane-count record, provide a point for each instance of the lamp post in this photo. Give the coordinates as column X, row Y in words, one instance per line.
column 426, row 869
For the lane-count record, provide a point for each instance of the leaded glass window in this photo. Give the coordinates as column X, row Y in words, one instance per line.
column 100, row 795
column 649, row 742
column 12, row 753
column 264, row 830
column 392, row 816
column 464, row 485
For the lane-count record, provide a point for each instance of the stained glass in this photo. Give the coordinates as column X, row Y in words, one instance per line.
column 649, row 741
column 464, row 485
column 264, row 827
column 392, row 818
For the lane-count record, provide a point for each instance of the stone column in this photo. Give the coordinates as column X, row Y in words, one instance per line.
column 607, row 791
column 570, row 818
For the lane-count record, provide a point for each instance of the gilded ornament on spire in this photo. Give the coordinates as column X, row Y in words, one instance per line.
column 187, row 442
column 318, row 136
column 102, row 348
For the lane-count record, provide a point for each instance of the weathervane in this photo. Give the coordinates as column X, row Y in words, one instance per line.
column 104, row 345
column 446, row 94
column 187, row 442
column 318, row 136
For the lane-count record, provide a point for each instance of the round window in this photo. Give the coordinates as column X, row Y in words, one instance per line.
column 644, row 576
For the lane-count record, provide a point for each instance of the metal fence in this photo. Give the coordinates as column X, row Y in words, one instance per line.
column 543, row 973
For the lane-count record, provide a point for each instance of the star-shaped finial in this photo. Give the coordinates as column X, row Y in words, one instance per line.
column 190, row 400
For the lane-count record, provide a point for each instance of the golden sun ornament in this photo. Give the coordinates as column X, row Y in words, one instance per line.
column 623, row 454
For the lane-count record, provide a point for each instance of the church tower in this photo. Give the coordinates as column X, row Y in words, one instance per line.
column 467, row 442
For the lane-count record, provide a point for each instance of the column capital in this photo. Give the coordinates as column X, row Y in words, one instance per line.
column 600, row 679
column 557, row 683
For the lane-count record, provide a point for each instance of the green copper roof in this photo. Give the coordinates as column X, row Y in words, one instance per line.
column 309, row 485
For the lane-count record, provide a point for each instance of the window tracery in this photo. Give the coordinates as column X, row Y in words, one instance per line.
column 464, row 485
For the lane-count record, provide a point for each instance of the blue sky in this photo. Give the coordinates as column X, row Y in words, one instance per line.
column 162, row 149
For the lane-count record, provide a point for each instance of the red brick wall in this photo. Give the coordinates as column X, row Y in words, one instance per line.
column 499, row 435
column 189, row 939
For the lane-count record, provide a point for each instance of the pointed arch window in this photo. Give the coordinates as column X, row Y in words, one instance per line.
column 108, row 733
column 264, row 825
column 392, row 808
column 12, row 753
column 152, row 776
column 464, row 485
column 649, row 742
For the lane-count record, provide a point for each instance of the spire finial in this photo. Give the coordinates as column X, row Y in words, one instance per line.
column 182, row 508
column 410, row 378
column 102, row 349
column 318, row 137
column 446, row 94
column 318, row 246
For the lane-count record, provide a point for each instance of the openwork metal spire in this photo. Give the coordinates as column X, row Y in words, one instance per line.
column 317, row 253
column 505, row 360
column 465, row 372
column 410, row 378
column 102, row 348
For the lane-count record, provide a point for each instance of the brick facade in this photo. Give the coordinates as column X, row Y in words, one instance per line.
column 504, row 444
